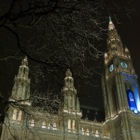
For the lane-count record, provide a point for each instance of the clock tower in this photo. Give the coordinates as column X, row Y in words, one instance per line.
column 121, row 90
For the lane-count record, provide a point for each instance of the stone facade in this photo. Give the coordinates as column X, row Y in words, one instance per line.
column 121, row 103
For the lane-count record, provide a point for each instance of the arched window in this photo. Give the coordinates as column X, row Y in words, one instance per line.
column 14, row 114
column 54, row 126
column 69, row 124
column 131, row 101
column 83, row 131
column 73, row 124
column 43, row 124
column 19, row 115
column 96, row 133
column 32, row 123
column 49, row 126
column 87, row 132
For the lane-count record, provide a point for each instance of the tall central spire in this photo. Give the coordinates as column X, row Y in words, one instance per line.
column 115, row 46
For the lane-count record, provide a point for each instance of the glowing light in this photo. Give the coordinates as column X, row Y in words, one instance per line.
column 14, row 114
column 131, row 101
column 133, row 80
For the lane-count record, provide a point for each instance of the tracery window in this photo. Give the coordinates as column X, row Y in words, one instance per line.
column 43, row 124
column 14, row 117
column 131, row 101
column 19, row 115
column 32, row 123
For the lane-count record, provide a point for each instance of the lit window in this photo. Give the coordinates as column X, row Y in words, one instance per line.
column 14, row 114
column 43, row 125
column 87, row 132
column 54, row 126
column 32, row 123
column 69, row 124
column 73, row 125
column 19, row 115
column 96, row 133
column 49, row 126
column 131, row 101
column 82, row 130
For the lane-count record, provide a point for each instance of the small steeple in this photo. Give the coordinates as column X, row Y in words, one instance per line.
column 111, row 25
column 71, row 101
column 21, row 88
column 25, row 61
column 23, row 69
column 69, row 82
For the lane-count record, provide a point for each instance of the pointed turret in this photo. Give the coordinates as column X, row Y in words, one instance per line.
column 111, row 25
column 21, row 88
column 23, row 69
column 115, row 46
column 71, row 108
column 71, row 102
column 114, row 42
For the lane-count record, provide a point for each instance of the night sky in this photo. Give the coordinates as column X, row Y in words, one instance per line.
column 128, row 30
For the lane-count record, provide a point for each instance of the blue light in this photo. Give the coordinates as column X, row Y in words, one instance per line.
column 133, row 81
column 131, row 101
column 137, row 97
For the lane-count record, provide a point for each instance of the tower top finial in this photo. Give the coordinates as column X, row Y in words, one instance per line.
column 25, row 61
column 68, row 73
column 111, row 25
column 110, row 19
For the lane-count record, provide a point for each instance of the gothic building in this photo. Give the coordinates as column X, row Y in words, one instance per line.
column 121, row 103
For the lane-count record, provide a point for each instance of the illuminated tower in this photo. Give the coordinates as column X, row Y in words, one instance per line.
column 18, row 102
column 21, row 89
column 121, row 91
column 71, row 107
column 20, row 93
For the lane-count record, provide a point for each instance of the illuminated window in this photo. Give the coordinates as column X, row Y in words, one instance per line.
column 19, row 115
column 43, row 125
column 73, row 124
column 87, row 132
column 82, row 130
column 32, row 123
column 69, row 124
column 14, row 114
column 49, row 126
column 96, row 133
column 54, row 126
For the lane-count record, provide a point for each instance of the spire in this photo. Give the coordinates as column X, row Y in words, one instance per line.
column 69, row 82
column 111, row 25
column 21, row 88
column 115, row 46
column 25, row 61
column 23, row 69
column 71, row 102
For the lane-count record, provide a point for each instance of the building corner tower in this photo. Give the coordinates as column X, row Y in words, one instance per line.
column 21, row 88
column 121, row 90
column 71, row 106
column 17, row 104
